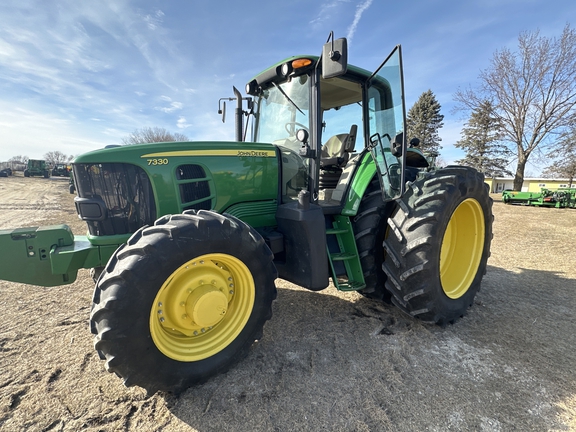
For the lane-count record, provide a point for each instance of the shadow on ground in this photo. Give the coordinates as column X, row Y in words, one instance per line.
column 326, row 363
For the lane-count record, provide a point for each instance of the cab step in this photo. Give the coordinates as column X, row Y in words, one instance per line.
column 347, row 254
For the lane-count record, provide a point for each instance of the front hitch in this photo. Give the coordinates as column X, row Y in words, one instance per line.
column 45, row 256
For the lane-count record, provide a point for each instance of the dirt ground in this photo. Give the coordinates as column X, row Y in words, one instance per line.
column 328, row 361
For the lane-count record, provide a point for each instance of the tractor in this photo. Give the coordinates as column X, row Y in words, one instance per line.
column 60, row 170
column 185, row 239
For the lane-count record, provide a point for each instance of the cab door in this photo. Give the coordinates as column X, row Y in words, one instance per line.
column 384, row 125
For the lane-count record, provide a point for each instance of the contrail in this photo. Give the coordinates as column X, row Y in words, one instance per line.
column 359, row 11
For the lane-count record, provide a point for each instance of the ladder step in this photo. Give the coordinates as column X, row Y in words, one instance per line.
column 345, row 253
column 336, row 231
column 351, row 286
column 342, row 256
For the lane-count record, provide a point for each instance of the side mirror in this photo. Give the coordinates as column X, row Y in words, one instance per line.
column 334, row 58
column 397, row 144
column 222, row 111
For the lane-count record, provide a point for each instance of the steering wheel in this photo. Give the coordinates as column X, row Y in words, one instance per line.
column 294, row 124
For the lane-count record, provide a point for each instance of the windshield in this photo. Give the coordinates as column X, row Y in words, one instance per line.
column 281, row 111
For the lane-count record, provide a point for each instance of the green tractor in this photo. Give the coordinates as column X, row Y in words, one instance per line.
column 185, row 240
column 60, row 170
column 37, row 168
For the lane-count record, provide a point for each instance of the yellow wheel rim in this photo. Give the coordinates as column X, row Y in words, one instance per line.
column 202, row 307
column 462, row 248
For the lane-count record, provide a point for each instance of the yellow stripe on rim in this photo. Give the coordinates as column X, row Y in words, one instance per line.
column 202, row 307
column 461, row 249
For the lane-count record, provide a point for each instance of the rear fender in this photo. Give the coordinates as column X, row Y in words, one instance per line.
column 362, row 178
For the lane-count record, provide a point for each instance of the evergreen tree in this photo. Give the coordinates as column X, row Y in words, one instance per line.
column 480, row 139
column 423, row 122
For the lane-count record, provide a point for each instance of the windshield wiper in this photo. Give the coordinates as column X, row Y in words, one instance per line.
column 288, row 97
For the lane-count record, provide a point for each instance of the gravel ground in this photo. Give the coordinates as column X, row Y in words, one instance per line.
column 328, row 361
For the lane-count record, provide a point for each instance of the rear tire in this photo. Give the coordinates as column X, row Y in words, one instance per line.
column 439, row 244
column 370, row 229
column 183, row 300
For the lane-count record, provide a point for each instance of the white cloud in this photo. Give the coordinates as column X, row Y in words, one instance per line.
column 182, row 123
column 31, row 132
column 174, row 106
column 155, row 20
column 327, row 11
column 360, row 9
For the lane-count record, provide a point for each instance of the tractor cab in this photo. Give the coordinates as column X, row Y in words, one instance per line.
column 330, row 120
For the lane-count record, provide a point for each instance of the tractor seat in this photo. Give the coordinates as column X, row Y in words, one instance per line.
column 334, row 156
column 336, row 151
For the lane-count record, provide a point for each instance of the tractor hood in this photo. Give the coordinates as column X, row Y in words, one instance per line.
column 122, row 188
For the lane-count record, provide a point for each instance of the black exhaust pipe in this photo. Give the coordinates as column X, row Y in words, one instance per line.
column 238, row 123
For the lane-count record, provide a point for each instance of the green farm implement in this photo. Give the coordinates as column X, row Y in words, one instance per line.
column 186, row 239
column 36, row 168
column 562, row 198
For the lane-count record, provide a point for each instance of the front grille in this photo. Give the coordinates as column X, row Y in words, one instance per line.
column 124, row 192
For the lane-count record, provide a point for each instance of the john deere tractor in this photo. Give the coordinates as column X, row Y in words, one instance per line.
column 185, row 240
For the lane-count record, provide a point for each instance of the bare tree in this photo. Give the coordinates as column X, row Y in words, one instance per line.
column 152, row 135
column 56, row 157
column 565, row 164
column 19, row 159
column 533, row 92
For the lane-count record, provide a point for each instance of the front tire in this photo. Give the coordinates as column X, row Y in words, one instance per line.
column 183, row 300
column 439, row 244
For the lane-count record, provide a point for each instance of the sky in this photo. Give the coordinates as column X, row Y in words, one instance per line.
column 77, row 75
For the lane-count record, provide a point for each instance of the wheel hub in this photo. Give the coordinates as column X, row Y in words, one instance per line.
column 206, row 306
column 202, row 307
